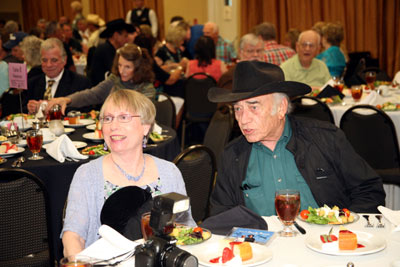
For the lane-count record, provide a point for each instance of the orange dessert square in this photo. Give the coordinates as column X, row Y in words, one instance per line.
column 347, row 240
column 243, row 250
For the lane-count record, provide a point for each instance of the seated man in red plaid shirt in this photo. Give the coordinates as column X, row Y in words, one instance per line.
column 274, row 53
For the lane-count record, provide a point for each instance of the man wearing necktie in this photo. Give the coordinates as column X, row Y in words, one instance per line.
column 56, row 80
column 142, row 15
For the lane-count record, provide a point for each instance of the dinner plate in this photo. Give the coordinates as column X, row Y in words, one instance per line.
column 82, row 123
column 7, row 155
column 27, row 124
column 69, row 130
column 77, row 144
column 210, row 250
column 355, row 216
column 92, row 137
column 372, row 244
column 91, row 127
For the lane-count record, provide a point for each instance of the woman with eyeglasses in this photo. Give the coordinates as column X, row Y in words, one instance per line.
column 126, row 119
column 132, row 69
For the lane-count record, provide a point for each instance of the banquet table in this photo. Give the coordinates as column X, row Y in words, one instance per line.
column 392, row 191
column 293, row 251
column 57, row 176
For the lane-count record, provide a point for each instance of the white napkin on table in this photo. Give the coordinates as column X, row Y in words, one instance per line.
column 63, row 147
column 157, row 128
column 372, row 99
column 110, row 245
column 392, row 216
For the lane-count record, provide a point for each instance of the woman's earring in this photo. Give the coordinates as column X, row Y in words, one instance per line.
column 144, row 141
column 105, row 146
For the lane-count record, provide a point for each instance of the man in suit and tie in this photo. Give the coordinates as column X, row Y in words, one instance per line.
column 56, row 80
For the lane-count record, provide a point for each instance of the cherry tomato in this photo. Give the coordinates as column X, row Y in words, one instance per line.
column 346, row 212
column 304, row 214
column 91, row 152
column 198, row 229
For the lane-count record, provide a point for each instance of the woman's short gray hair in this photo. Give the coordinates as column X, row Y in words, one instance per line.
column 134, row 102
column 31, row 48
column 175, row 35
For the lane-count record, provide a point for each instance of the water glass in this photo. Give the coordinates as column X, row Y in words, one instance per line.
column 77, row 261
column 34, row 139
column 287, row 205
column 356, row 92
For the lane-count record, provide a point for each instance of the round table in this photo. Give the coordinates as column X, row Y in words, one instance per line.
column 57, row 176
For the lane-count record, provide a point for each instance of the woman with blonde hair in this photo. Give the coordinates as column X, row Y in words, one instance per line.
column 126, row 119
column 31, row 48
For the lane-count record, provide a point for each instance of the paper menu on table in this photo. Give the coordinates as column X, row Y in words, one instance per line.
column 251, row 235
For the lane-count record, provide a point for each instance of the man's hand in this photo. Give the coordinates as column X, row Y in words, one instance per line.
column 62, row 101
column 33, row 106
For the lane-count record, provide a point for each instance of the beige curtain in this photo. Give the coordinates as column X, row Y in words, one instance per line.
column 370, row 25
column 106, row 9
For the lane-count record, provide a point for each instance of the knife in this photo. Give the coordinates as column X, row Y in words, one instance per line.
column 298, row 227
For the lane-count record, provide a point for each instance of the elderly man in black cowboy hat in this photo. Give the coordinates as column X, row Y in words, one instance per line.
column 116, row 34
column 278, row 151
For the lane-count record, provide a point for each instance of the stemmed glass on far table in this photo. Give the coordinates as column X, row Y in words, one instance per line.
column 34, row 139
column 287, row 204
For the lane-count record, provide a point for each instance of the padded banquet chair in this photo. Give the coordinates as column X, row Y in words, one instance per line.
column 198, row 110
column 197, row 165
column 166, row 113
column 315, row 109
column 373, row 136
column 25, row 229
column 219, row 131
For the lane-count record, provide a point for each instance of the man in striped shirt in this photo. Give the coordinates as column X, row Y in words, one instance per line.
column 273, row 52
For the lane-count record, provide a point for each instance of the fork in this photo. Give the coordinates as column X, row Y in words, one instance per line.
column 380, row 223
column 369, row 224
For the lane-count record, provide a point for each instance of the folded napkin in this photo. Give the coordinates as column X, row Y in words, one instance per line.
column 372, row 99
column 63, row 147
column 329, row 91
column 392, row 216
column 157, row 128
column 110, row 245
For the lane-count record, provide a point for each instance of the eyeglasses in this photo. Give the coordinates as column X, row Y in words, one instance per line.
column 309, row 44
column 123, row 118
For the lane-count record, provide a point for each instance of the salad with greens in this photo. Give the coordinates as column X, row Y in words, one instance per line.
column 190, row 236
column 327, row 215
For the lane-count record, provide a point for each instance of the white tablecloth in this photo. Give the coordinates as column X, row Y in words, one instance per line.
column 392, row 191
column 294, row 252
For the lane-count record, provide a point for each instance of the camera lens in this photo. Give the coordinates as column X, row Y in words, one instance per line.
column 180, row 258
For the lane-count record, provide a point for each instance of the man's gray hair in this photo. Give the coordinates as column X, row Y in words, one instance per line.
column 250, row 39
column 278, row 97
column 316, row 33
column 214, row 26
column 54, row 43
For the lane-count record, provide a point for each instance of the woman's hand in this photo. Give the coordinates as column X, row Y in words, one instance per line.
column 62, row 101
column 73, row 243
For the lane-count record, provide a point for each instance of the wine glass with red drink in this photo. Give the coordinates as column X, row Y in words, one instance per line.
column 34, row 139
column 287, row 204
column 370, row 78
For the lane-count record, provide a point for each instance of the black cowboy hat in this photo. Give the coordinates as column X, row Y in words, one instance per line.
column 115, row 26
column 255, row 78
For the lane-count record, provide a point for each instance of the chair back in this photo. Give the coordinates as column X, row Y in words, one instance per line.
column 25, row 229
column 373, row 136
column 165, row 110
column 197, row 165
column 219, row 130
column 311, row 107
column 197, row 106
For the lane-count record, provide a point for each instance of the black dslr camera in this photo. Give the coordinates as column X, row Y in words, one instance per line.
column 160, row 249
